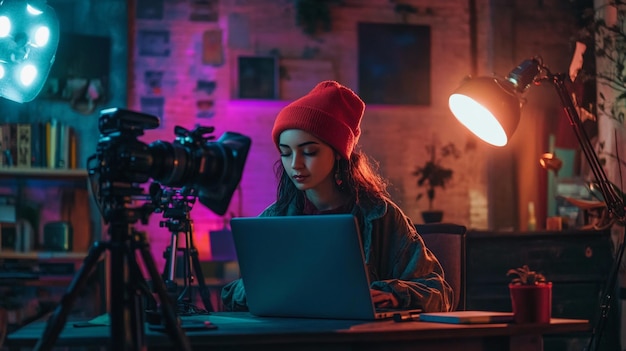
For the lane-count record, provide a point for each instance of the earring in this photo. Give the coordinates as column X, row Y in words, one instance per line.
column 338, row 179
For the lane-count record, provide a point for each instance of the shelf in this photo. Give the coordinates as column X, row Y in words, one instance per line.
column 45, row 195
column 42, row 255
column 43, row 172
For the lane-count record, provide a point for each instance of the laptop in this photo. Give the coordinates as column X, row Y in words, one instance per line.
column 305, row 266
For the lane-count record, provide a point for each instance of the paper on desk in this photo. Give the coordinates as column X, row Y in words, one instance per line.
column 101, row 320
column 221, row 320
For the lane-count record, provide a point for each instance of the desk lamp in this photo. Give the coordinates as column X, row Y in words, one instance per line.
column 29, row 36
column 490, row 107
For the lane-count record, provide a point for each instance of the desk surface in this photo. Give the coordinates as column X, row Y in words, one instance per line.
column 243, row 330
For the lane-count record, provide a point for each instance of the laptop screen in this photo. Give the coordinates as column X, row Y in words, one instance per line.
column 303, row 266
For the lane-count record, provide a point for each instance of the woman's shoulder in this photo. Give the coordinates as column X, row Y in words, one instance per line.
column 382, row 207
column 392, row 206
column 391, row 220
column 279, row 210
column 388, row 209
column 397, row 214
column 269, row 211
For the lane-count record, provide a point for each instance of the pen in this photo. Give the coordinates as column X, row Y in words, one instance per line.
column 399, row 317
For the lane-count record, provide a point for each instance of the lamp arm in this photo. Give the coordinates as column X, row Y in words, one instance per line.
column 614, row 201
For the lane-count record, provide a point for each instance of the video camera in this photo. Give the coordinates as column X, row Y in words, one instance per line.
column 212, row 168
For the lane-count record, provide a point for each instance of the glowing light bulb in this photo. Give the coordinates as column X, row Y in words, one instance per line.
column 28, row 74
column 33, row 11
column 5, row 26
column 478, row 119
column 42, row 35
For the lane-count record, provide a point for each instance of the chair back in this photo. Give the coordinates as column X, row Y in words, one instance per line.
column 447, row 242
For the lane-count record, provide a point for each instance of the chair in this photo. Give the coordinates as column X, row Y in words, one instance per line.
column 447, row 242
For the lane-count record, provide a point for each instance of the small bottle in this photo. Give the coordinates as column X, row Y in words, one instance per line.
column 532, row 220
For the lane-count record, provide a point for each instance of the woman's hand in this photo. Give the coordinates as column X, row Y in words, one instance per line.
column 384, row 299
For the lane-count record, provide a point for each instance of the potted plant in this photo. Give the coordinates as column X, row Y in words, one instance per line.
column 531, row 296
column 434, row 174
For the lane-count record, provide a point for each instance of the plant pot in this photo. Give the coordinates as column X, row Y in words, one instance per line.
column 432, row 216
column 531, row 303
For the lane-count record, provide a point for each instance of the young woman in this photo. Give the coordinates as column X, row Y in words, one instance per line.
column 321, row 172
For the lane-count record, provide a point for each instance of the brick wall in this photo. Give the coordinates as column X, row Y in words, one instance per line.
column 393, row 135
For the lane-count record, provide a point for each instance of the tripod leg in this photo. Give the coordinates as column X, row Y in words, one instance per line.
column 126, row 334
column 170, row 259
column 167, row 306
column 193, row 252
column 135, row 303
column 169, row 271
column 143, row 288
column 185, row 293
column 57, row 320
column 204, row 291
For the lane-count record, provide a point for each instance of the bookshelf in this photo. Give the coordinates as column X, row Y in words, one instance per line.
column 51, row 144
column 50, row 173
column 33, row 280
column 42, row 255
column 55, row 195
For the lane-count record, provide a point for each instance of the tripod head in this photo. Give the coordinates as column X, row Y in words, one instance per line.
column 175, row 204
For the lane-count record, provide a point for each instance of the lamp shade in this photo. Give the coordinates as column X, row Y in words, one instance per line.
column 489, row 107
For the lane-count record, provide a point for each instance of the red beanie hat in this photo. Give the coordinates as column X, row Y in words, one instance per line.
column 331, row 112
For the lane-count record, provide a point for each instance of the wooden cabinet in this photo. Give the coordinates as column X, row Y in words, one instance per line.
column 577, row 262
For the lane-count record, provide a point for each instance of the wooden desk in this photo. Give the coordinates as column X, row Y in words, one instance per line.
column 242, row 331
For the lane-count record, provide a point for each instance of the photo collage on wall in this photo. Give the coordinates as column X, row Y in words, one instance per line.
column 158, row 22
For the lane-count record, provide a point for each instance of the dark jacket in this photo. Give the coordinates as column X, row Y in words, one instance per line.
column 395, row 255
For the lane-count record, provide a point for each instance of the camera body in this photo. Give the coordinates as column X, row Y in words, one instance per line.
column 212, row 168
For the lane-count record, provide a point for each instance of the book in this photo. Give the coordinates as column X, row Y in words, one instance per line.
column 2, row 161
column 24, row 144
column 38, row 145
column 467, row 317
column 8, row 144
column 73, row 152
column 63, row 146
column 52, row 142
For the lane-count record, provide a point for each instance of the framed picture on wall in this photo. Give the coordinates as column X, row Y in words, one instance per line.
column 257, row 77
column 394, row 63
column 155, row 43
column 80, row 73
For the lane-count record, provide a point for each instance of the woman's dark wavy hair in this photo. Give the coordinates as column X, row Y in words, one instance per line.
column 360, row 180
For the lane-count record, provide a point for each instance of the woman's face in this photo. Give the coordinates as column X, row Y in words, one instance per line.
column 308, row 161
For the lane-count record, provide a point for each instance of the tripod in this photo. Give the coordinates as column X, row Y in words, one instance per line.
column 180, row 222
column 126, row 283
